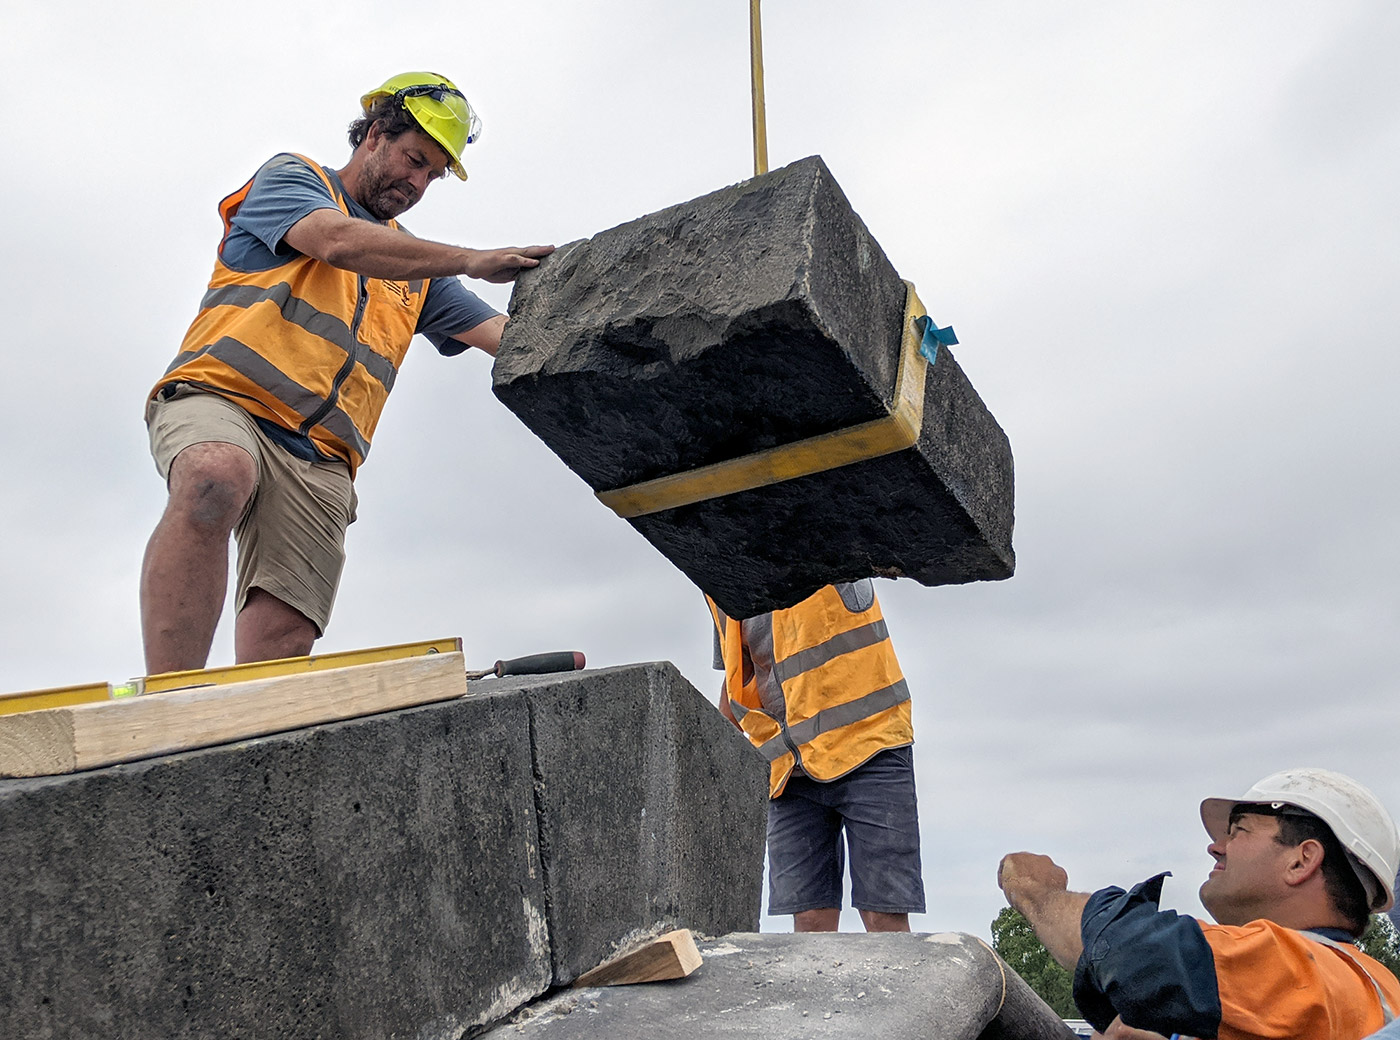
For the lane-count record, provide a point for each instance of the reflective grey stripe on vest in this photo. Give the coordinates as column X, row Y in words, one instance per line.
column 758, row 638
column 1386, row 1012
column 846, row 642
column 835, row 717
column 858, row 596
column 304, row 402
column 298, row 312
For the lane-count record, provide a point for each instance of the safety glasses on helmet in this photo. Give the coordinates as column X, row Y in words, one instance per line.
column 458, row 104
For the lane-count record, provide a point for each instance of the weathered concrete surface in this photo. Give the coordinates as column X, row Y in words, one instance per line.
column 755, row 316
column 652, row 812
column 797, row 987
column 378, row 878
column 372, row 878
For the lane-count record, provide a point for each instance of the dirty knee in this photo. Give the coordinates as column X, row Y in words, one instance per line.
column 215, row 504
column 210, row 485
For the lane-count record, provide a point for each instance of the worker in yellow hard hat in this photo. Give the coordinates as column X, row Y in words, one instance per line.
column 265, row 415
column 439, row 108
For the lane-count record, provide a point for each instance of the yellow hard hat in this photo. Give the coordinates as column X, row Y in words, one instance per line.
column 438, row 107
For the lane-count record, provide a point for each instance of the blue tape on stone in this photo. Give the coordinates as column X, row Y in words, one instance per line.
column 932, row 337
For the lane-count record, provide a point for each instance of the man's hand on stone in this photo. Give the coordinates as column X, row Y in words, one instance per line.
column 502, row 265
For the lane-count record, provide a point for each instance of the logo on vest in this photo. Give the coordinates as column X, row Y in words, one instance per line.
column 399, row 289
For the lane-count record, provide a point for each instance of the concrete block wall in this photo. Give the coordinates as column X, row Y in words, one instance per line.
column 686, row 812
column 414, row 874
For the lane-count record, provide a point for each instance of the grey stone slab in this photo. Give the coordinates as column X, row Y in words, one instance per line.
column 652, row 811
column 801, row 987
column 753, row 317
column 376, row 878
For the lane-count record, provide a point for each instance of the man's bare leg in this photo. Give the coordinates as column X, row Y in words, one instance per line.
column 875, row 921
column 823, row 919
column 185, row 572
column 268, row 629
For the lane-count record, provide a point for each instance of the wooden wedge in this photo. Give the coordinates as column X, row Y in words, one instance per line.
column 669, row 956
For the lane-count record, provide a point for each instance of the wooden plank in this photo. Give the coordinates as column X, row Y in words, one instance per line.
column 669, row 956
column 86, row 736
column 59, row 697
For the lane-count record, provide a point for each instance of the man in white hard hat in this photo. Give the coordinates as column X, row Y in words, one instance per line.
column 260, row 423
column 1302, row 859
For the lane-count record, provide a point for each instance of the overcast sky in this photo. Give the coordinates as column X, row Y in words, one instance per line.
column 1166, row 234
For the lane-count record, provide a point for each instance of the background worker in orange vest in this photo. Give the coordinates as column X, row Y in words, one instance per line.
column 268, row 409
column 1302, row 859
column 818, row 690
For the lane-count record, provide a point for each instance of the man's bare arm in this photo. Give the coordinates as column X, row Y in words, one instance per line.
column 486, row 336
column 382, row 252
column 1039, row 888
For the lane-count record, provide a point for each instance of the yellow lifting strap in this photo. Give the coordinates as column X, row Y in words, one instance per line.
column 895, row 432
column 760, row 124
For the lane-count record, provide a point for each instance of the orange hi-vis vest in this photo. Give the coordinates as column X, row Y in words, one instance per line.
column 310, row 347
column 834, row 694
column 1274, row 982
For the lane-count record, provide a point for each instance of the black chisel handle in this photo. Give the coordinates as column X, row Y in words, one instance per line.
column 539, row 664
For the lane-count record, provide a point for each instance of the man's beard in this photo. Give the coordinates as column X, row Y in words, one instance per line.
column 380, row 198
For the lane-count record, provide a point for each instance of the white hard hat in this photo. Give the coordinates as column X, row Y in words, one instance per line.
column 1356, row 817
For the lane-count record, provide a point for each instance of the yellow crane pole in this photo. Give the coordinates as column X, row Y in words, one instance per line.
column 760, row 126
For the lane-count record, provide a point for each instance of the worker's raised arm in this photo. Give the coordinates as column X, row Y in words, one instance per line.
column 384, row 252
column 1038, row 888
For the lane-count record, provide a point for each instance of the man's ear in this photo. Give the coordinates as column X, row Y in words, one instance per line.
column 1304, row 861
column 374, row 136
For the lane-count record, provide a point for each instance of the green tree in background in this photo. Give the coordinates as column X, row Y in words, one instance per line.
column 1017, row 945
column 1381, row 941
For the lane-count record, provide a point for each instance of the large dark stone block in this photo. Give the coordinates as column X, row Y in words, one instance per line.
column 652, row 812
column 756, row 316
column 369, row 879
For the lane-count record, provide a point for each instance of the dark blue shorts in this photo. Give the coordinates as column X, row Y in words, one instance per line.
column 875, row 806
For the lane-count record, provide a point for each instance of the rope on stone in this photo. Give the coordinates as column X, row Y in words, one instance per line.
column 1002, row 966
column 760, row 125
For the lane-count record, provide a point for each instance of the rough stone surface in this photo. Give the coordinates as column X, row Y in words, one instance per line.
column 755, row 316
column 652, row 812
column 799, row 987
column 378, row 878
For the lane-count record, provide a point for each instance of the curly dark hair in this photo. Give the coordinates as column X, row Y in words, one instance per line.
column 392, row 117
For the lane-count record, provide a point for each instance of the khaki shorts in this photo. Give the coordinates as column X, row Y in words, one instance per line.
column 291, row 538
